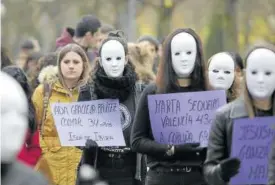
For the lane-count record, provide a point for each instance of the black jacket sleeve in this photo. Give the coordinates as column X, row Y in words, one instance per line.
column 141, row 134
column 215, row 151
column 84, row 94
column 271, row 170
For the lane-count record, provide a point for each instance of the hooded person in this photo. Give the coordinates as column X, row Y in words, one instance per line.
column 258, row 100
column 180, row 70
column 31, row 150
column 14, row 126
column 59, row 163
column 224, row 73
column 113, row 77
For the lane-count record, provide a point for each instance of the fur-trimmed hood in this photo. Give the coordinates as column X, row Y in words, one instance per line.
column 48, row 74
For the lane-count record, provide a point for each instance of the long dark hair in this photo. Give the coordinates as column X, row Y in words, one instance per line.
column 166, row 76
column 19, row 75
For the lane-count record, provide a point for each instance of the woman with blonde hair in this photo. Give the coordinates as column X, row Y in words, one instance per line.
column 59, row 163
column 142, row 59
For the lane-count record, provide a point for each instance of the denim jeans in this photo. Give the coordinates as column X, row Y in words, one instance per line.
column 174, row 178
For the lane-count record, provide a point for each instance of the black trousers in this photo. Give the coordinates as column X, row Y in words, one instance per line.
column 124, row 176
column 155, row 177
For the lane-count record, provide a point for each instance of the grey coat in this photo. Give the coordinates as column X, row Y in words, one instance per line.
column 20, row 174
column 271, row 170
column 219, row 145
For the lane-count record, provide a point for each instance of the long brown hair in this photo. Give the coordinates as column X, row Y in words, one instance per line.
column 86, row 63
column 141, row 58
column 166, row 77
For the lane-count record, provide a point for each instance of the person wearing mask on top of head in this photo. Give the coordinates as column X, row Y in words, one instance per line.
column 180, row 70
column 258, row 100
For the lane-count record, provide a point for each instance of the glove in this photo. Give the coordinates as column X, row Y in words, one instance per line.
column 90, row 144
column 184, row 150
column 188, row 147
column 89, row 152
column 229, row 168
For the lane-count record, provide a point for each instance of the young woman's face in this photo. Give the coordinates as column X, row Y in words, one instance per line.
column 71, row 66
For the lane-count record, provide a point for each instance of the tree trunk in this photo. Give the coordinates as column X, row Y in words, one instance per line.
column 230, row 26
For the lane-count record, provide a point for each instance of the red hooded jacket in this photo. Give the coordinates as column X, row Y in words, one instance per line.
column 30, row 154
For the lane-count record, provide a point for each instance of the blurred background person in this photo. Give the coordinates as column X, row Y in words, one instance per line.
column 14, row 126
column 105, row 30
column 5, row 60
column 31, row 150
column 153, row 46
column 31, row 68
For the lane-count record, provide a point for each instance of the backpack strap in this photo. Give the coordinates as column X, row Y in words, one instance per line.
column 47, row 90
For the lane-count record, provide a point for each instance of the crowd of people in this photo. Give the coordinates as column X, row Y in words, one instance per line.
column 94, row 61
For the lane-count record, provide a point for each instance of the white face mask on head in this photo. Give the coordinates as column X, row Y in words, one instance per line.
column 14, row 118
column 113, row 59
column 221, row 71
column 184, row 53
column 260, row 73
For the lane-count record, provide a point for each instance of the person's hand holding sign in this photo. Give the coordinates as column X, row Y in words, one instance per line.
column 229, row 168
column 179, row 151
column 90, row 151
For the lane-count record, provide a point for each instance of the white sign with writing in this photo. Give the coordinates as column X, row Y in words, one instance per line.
column 98, row 120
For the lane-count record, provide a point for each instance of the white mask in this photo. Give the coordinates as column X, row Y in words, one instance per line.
column 14, row 118
column 260, row 73
column 221, row 71
column 113, row 58
column 184, row 52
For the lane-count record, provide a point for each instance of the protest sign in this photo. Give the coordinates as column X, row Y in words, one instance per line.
column 251, row 143
column 98, row 120
column 180, row 118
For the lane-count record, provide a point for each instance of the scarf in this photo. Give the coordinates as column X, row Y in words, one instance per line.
column 120, row 87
